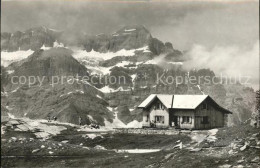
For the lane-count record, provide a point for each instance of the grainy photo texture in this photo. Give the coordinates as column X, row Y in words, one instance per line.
column 130, row 83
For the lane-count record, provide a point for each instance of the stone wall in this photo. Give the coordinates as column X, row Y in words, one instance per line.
column 146, row 131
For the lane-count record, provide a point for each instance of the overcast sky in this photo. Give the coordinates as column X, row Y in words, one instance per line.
column 220, row 35
column 182, row 23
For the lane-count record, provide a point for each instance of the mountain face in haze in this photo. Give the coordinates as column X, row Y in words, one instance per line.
column 32, row 39
column 131, row 52
column 128, row 37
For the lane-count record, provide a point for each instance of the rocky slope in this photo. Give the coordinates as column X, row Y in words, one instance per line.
column 48, row 96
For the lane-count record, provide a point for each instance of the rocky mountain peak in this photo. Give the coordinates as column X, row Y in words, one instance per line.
column 53, row 62
column 33, row 38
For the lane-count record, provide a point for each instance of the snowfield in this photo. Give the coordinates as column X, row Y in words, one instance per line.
column 95, row 69
column 91, row 59
column 81, row 54
column 9, row 57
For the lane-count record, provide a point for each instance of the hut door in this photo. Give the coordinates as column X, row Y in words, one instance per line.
column 176, row 121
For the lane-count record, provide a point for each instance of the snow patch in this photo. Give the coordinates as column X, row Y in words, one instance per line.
column 4, row 94
column 87, row 128
column 107, row 89
column 45, row 48
column 129, row 30
column 2, row 129
column 145, row 49
column 79, row 54
column 133, row 77
column 110, row 108
column 156, row 61
column 137, row 150
column 98, row 70
column 57, row 45
column 176, row 63
column 10, row 115
column 15, row 90
column 99, row 147
column 91, row 118
column 99, row 97
column 10, row 71
column 212, row 135
column 213, row 132
column 117, row 123
column 93, row 136
column 134, row 124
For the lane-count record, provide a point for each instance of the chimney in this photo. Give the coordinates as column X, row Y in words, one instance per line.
column 172, row 101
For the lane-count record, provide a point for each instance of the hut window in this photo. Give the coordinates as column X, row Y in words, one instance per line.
column 162, row 107
column 158, row 106
column 147, row 117
column 159, row 119
column 186, row 119
column 205, row 120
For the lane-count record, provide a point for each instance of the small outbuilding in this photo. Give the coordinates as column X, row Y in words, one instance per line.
column 183, row 112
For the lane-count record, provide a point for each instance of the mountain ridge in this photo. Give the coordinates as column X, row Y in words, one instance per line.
column 127, row 37
column 131, row 60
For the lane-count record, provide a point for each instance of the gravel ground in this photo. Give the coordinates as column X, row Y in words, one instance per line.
column 234, row 147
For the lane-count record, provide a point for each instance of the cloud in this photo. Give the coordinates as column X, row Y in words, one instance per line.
column 214, row 24
column 232, row 61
